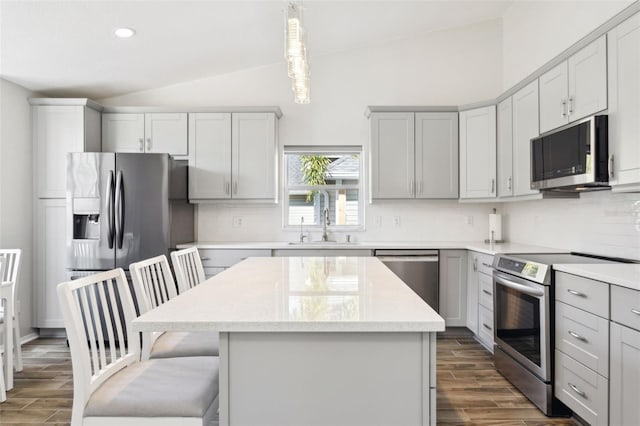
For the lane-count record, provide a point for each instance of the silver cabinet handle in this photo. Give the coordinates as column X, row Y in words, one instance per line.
column 576, row 293
column 578, row 391
column 563, row 107
column 611, row 166
column 475, row 263
column 577, row 336
column 487, row 265
column 635, row 311
column 486, row 326
column 509, row 183
column 487, row 292
column 148, row 144
column 411, row 185
column 235, row 187
column 570, row 106
column 493, row 186
column 141, row 145
column 205, row 258
column 227, row 187
column 420, row 187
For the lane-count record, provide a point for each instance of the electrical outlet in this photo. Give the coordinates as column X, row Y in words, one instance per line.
column 396, row 221
column 237, row 221
column 469, row 220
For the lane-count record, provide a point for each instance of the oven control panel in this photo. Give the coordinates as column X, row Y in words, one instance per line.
column 529, row 270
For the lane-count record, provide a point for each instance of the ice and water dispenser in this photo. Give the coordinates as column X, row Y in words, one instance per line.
column 86, row 219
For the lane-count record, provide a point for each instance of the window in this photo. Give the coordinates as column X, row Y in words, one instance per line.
column 316, row 179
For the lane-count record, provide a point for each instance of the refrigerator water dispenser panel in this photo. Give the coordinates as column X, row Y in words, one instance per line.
column 86, row 218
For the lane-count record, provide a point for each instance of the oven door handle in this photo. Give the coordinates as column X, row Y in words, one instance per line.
column 519, row 287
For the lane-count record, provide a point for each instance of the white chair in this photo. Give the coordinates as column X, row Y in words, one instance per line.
column 153, row 285
column 10, row 277
column 111, row 386
column 188, row 267
column 3, row 387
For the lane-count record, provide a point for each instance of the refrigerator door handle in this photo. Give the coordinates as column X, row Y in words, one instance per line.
column 110, row 212
column 119, row 213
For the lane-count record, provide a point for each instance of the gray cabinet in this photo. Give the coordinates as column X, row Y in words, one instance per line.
column 478, row 153
column 414, row 155
column 232, row 156
column 453, row 287
column 145, row 132
column 60, row 127
column 215, row 261
column 624, row 403
column 575, row 88
column 625, row 376
column 480, row 297
column 525, row 127
column 624, row 105
column 505, row 148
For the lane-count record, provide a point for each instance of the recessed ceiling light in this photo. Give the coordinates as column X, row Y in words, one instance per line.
column 124, row 32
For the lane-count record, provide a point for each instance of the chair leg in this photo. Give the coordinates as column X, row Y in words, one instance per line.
column 3, row 387
column 17, row 344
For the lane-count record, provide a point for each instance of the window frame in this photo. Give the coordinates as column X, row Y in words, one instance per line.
column 323, row 150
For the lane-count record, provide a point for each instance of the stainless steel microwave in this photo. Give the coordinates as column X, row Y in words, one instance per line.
column 573, row 157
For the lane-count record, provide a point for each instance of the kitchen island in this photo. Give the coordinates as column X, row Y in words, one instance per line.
column 313, row 341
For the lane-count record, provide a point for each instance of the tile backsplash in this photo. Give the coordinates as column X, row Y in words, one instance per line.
column 603, row 223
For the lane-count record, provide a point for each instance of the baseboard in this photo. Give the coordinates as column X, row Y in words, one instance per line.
column 29, row 338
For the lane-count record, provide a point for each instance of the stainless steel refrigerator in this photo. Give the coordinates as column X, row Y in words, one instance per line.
column 123, row 208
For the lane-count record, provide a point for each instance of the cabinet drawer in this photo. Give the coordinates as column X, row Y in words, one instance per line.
column 226, row 258
column 485, row 326
column 484, row 263
column 583, row 336
column 584, row 293
column 486, row 291
column 625, row 306
column 582, row 389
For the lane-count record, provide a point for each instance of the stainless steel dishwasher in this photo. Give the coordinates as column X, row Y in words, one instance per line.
column 419, row 269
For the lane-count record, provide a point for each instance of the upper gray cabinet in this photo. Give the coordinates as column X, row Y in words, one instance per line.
column 575, row 88
column 414, row 155
column 478, row 153
column 525, row 127
column 145, row 132
column 61, row 126
column 232, row 156
column 624, row 105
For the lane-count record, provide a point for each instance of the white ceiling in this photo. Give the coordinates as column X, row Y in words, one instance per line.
column 67, row 48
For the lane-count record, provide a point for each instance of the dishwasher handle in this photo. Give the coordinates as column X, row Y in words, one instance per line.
column 384, row 259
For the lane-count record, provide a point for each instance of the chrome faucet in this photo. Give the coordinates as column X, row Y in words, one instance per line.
column 302, row 236
column 325, row 222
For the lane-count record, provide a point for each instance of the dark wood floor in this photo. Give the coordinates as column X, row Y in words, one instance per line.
column 470, row 391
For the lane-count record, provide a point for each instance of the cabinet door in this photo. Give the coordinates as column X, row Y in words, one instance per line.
column 478, row 153
column 50, row 261
column 553, row 98
column 209, row 156
column 166, row 132
column 588, row 80
column 392, row 155
column 624, row 390
column 624, row 102
column 436, row 155
column 505, row 148
column 122, row 132
column 253, row 156
column 472, row 292
column 57, row 130
column 525, row 127
column 453, row 287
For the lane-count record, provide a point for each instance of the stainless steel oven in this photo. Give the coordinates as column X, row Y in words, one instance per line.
column 524, row 325
column 521, row 318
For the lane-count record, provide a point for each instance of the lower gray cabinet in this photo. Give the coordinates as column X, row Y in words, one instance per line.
column 624, row 398
column 453, row 287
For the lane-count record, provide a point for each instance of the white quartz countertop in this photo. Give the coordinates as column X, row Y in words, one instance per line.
column 621, row 274
column 297, row 294
column 479, row 246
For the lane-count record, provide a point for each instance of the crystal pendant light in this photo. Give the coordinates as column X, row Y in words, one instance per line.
column 296, row 54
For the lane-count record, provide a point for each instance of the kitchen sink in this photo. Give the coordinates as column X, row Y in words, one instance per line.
column 321, row 243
